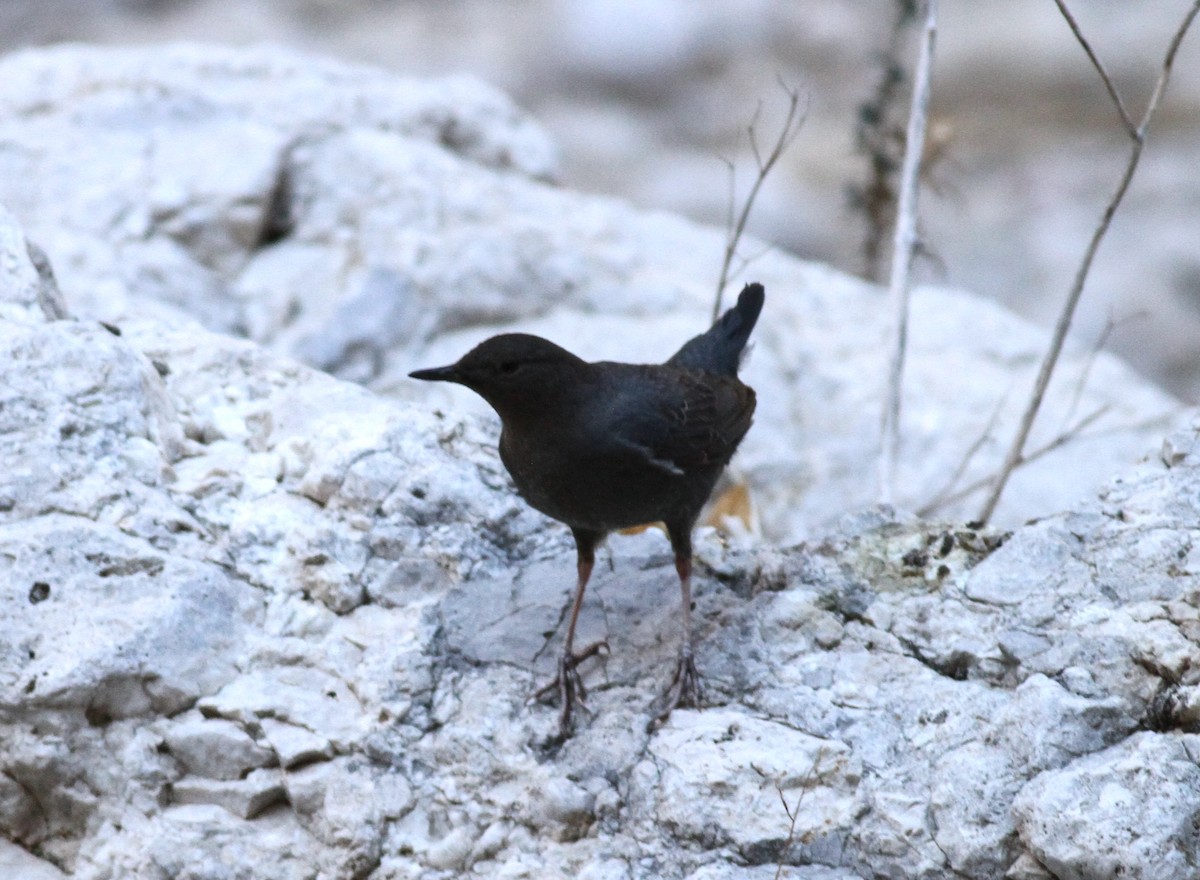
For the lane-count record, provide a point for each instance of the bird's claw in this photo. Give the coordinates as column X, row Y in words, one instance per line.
column 568, row 684
column 685, row 689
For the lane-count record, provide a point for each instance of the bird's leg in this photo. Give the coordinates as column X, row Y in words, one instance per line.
column 685, row 687
column 568, row 684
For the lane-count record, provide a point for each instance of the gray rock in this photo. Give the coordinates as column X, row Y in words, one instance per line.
column 299, row 695
column 269, row 233
column 16, row 862
column 294, row 745
column 1128, row 811
column 724, row 779
column 22, row 283
column 643, row 96
column 107, row 626
column 245, row 798
column 207, row 840
column 260, row 616
column 213, row 748
column 563, row 803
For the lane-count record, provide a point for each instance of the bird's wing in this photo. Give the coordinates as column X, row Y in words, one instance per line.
column 678, row 420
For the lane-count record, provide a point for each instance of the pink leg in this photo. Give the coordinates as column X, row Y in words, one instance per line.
column 685, row 684
column 568, row 684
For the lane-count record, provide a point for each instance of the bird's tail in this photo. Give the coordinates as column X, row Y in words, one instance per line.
column 719, row 349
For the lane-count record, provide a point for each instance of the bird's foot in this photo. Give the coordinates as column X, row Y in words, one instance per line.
column 685, row 689
column 569, row 685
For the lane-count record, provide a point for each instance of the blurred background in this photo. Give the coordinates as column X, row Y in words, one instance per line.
column 650, row 101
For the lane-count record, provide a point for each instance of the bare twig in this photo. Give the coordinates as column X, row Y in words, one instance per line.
column 903, row 249
column 946, row 495
column 735, row 229
column 1062, row 439
column 1081, row 383
column 793, row 813
column 946, row 498
column 1138, row 137
column 940, row 497
column 731, row 199
column 1108, row 83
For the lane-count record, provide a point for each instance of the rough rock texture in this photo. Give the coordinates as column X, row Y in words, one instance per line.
column 647, row 97
column 1087, row 819
column 346, row 217
column 262, row 622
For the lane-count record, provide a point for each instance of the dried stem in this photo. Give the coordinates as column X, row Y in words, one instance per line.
column 793, row 813
column 736, row 228
column 946, row 494
column 903, row 249
column 946, row 498
column 1108, row 83
column 1138, row 136
column 1081, row 383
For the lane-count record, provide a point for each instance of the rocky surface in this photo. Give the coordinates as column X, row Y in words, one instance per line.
column 388, row 224
column 647, row 97
column 263, row 622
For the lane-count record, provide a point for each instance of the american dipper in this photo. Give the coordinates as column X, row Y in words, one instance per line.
column 604, row 446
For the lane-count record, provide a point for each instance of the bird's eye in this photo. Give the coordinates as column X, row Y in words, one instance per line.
column 509, row 366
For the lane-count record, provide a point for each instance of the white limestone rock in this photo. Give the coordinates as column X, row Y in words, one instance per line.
column 19, row 297
column 106, row 625
column 141, row 118
column 725, row 778
column 214, row 748
column 16, row 862
column 1128, row 811
column 222, row 562
column 368, row 224
column 294, row 745
column 301, row 694
column 727, row 871
column 245, row 798
column 206, row 840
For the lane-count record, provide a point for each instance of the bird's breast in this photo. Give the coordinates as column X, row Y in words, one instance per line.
column 576, row 482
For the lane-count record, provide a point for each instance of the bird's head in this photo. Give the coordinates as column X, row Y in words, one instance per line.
column 516, row 373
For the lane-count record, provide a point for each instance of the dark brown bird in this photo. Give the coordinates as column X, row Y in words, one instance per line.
column 604, row 446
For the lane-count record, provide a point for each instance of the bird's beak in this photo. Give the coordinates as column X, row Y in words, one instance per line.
column 437, row 374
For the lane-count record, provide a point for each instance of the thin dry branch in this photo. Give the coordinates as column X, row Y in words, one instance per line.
column 736, row 228
column 792, row 815
column 944, row 495
column 902, row 252
column 1138, row 136
column 1081, row 383
column 947, row 494
column 947, row 498
column 1108, row 83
